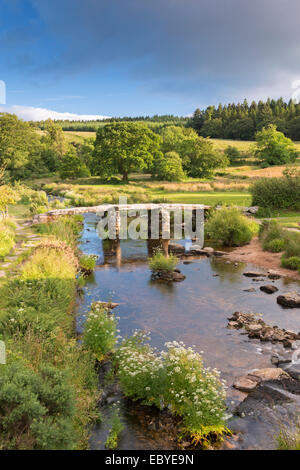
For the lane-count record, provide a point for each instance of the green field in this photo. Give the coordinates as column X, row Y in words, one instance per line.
column 209, row 198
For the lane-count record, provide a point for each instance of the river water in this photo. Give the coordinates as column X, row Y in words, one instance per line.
column 194, row 311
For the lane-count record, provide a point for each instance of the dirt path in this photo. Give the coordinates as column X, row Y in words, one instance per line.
column 253, row 253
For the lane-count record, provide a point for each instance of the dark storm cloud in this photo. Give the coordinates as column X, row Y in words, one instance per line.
column 178, row 45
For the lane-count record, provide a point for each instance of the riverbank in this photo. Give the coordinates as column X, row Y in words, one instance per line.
column 48, row 386
column 254, row 254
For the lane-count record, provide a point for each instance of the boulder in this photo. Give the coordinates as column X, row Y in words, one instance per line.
column 254, row 274
column 176, row 248
column 254, row 327
column 245, row 384
column 250, row 290
column 289, row 300
column 293, row 370
column 269, row 289
column 273, row 275
column 209, row 250
column 269, row 373
column 219, row 253
column 167, row 276
column 253, row 209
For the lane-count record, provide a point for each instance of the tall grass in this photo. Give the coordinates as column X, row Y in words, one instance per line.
column 7, row 236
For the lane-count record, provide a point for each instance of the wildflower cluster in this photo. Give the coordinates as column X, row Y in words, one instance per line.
column 100, row 331
column 177, row 379
column 140, row 370
column 194, row 392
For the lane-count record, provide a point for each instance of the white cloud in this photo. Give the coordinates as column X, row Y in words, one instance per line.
column 29, row 113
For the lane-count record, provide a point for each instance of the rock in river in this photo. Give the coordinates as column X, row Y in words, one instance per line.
column 269, row 289
column 176, row 248
column 167, row 276
column 289, row 300
column 253, row 274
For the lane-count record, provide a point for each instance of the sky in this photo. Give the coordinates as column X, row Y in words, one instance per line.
column 93, row 58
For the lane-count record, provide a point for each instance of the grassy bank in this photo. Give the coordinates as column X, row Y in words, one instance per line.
column 48, row 386
column 7, row 236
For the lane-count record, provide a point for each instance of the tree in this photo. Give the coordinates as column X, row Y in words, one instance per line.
column 169, row 167
column 273, row 148
column 19, row 146
column 124, row 147
column 72, row 166
column 54, row 138
column 205, row 159
column 232, row 153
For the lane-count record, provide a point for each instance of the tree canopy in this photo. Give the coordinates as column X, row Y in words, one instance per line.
column 273, row 148
column 124, row 147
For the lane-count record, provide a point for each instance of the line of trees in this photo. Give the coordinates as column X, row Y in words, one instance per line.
column 242, row 121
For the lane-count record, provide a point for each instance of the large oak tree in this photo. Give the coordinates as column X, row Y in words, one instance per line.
column 124, row 147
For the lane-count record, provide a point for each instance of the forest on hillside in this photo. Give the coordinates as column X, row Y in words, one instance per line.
column 233, row 121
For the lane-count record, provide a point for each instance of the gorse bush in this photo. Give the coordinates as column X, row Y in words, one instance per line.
column 159, row 262
column 100, row 331
column 230, row 227
column 36, row 408
column 177, row 379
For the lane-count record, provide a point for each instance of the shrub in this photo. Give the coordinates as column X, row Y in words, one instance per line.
column 230, row 227
column 275, row 246
column 100, row 331
column 272, row 236
column 36, row 408
column 292, row 245
column 277, row 193
column 87, row 263
column 159, row 262
column 291, row 263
